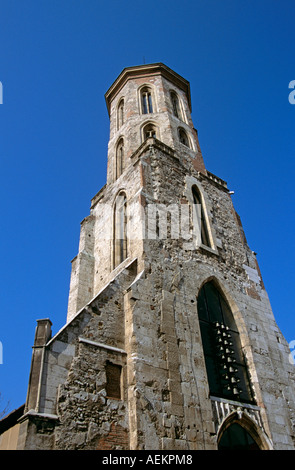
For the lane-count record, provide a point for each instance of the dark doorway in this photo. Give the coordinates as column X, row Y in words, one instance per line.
column 235, row 437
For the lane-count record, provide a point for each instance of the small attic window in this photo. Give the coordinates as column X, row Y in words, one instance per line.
column 149, row 131
column 183, row 138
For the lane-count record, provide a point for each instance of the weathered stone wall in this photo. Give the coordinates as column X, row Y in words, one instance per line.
column 234, row 267
column 87, row 415
column 167, row 395
column 73, row 383
column 82, row 275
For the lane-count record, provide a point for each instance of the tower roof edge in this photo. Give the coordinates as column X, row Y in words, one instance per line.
column 146, row 69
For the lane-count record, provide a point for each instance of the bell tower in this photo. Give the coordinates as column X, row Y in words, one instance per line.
column 170, row 341
column 149, row 101
column 149, row 108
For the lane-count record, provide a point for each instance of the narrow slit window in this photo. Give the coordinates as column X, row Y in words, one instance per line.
column 120, row 116
column 175, row 105
column 147, row 101
column 150, row 102
column 120, row 229
column 200, row 213
column 120, row 158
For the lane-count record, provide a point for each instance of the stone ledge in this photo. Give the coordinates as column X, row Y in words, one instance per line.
column 101, row 345
column 152, row 143
column 35, row 414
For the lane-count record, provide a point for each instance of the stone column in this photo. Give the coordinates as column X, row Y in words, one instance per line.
column 42, row 336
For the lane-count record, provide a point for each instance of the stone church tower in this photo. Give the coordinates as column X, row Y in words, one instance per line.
column 170, row 341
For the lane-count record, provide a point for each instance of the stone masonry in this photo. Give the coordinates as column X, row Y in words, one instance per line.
column 128, row 371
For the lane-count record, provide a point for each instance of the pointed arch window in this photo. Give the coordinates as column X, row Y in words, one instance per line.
column 120, row 229
column 120, row 114
column 149, row 131
column 120, row 158
column 175, row 105
column 183, row 137
column 146, row 101
column 200, row 213
column 225, row 363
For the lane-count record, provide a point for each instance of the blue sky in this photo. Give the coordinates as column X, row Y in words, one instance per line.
column 57, row 60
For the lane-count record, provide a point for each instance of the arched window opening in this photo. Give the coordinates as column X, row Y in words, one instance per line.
column 120, row 114
column 235, row 437
column 146, row 101
column 225, row 363
column 200, row 213
column 175, row 105
column 149, row 131
column 120, row 229
column 120, row 158
column 183, row 138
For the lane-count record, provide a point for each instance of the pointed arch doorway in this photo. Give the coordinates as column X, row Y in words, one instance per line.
column 226, row 366
column 239, row 431
column 236, row 437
